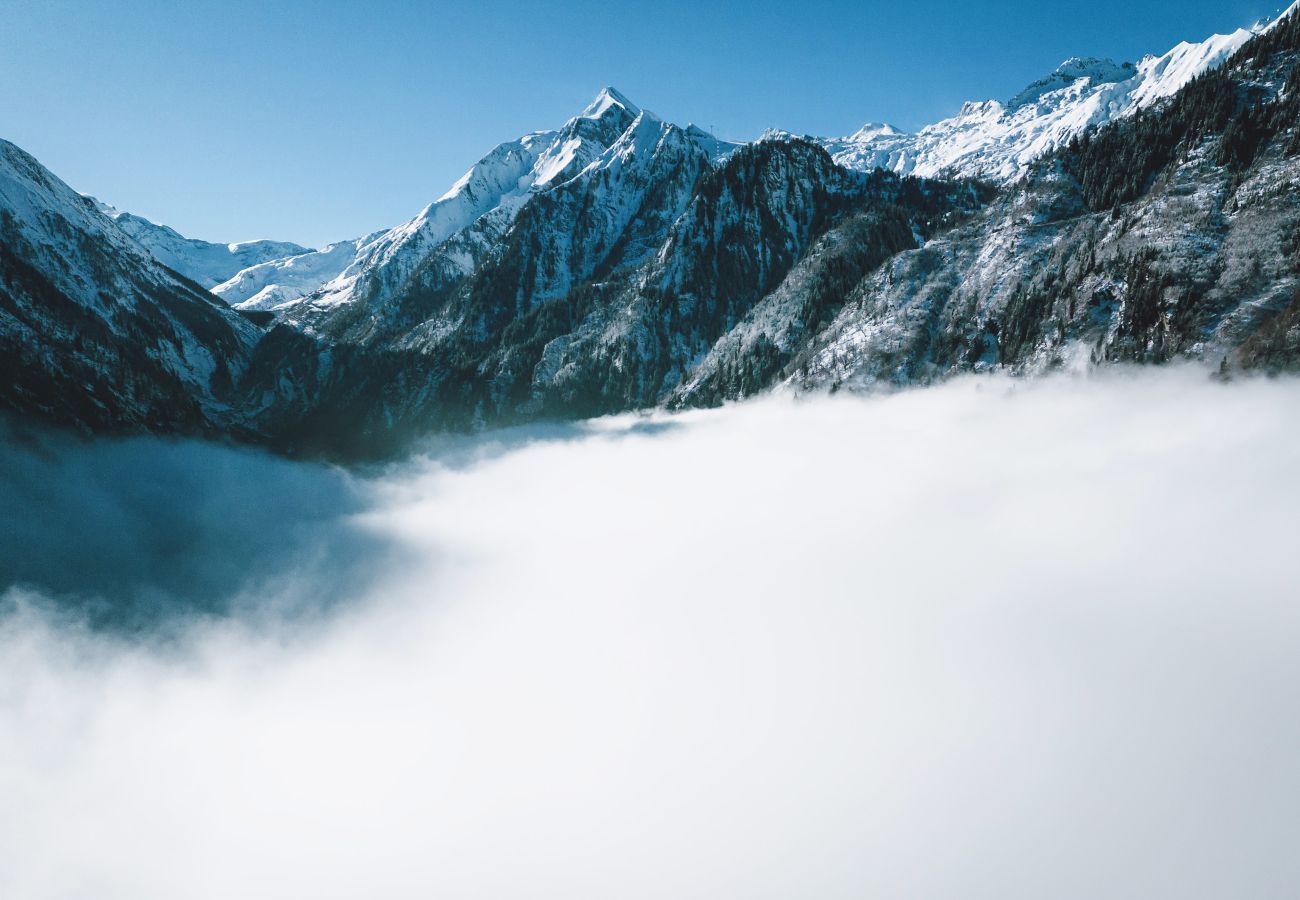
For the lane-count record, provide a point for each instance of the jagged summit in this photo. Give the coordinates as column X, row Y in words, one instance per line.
column 607, row 99
column 1092, row 70
column 598, row 126
column 619, row 262
column 1269, row 24
column 612, row 135
column 874, row 130
column 1000, row 141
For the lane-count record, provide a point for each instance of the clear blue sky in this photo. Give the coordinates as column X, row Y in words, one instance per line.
column 316, row 121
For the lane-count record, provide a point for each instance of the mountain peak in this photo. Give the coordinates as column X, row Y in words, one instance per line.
column 1095, row 70
column 609, row 98
column 875, row 130
column 1268, row 25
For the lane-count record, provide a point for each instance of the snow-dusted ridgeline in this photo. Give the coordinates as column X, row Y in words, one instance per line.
column 1000, row 141
column 623, row 262
column 993, row 140
column 204, row 262
column 476, row 209
column 93, row 328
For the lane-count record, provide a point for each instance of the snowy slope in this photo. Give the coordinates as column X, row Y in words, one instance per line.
column 93, row 329
column 475, row 211
column 621, row 261
column 277, row 282
column 999, row 141
column 204, row 262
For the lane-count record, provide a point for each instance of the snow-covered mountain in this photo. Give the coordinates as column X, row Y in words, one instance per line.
column 94, row 330
column 1172, row 235
column 611, row 134
column 203, row 262
column 661, row 267
column 1000, row 141
column 276, row 283
column 622, row 262
column 990, row 140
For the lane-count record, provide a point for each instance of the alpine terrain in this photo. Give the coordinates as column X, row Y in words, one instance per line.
column 1108, row 212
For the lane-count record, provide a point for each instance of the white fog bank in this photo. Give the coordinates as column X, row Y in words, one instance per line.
column 987, row 641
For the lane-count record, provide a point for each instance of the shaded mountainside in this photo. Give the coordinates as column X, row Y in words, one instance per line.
column 623, row 262
column 1174, row 233
column 94, row 331
column 593, row 302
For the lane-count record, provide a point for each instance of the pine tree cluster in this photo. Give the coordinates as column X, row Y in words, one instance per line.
column 1232, row 108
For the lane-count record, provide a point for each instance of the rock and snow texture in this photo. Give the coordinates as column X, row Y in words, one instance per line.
column 623, row 262
column 992, row 140
column 93, row 328
column 475, row 211
column 999, row 141
column 278, row 282
column 203, row 262
column 1281, row 17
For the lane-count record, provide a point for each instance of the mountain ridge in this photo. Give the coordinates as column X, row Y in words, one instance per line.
column 990, row 139
column 93, row 329
column 206, row 262
column 1000, row 141
column 623, row 262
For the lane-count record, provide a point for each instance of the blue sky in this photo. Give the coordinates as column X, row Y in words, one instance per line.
column 316, row 121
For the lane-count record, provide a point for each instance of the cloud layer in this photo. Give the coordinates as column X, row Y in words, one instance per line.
column 139, row 533
column 989, row 640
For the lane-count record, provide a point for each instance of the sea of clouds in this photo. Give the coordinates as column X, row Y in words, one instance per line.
column 986, row 641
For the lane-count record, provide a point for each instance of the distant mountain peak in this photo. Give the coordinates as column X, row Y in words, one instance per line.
column 1090, row 69
column 1000, row 141
column 205, row 262
column 873, row 130
column 107, row 209
column 1267, row 25
column 607, row 99
column 1095, row 68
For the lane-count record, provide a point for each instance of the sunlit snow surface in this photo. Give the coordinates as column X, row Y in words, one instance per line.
column 991, row 140
column 611, row 132
column 999, row 141
column 994, row 639
column 207, row 263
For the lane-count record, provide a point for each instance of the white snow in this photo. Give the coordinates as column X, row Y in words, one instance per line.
column 79, row 245
column 204, row 262
column 1289, row 11
column 999, row 141
column 609, row 130
column 273, row 284
column 607, row 99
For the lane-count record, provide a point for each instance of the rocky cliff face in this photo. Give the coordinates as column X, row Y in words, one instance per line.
column 1170, row 234
column 97, row 333
column 605, row 293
